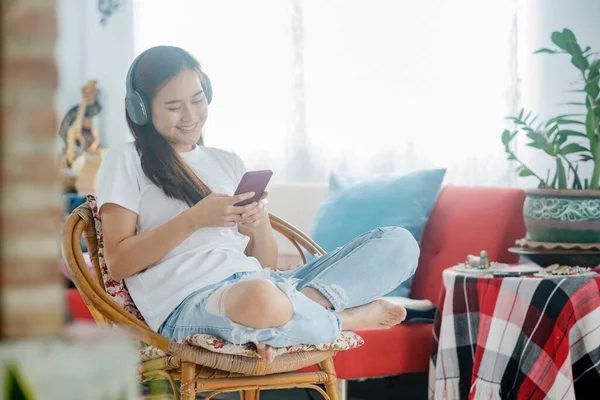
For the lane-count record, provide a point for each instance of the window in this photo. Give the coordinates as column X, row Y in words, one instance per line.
column 356, row 86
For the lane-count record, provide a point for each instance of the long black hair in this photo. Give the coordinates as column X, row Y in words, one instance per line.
column 160, row 162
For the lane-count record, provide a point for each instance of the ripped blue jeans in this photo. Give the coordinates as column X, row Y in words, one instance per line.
column 367, row 268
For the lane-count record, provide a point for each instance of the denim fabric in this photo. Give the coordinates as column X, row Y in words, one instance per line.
column 367, row 268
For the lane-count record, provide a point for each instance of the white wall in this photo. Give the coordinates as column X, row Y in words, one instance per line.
column 545, row 78
column 88, row 50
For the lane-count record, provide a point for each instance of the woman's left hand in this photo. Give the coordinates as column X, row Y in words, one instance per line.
column 258, row 216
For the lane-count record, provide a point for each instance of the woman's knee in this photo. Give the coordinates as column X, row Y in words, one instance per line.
column 406, row 248
column 257, row 303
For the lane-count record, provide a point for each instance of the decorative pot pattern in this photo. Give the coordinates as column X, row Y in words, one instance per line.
column 566, row 216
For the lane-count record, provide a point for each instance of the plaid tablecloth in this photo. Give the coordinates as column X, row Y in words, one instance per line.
column 516, row 338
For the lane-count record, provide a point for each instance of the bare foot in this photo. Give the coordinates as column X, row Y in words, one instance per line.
column 265, row 352
column 377, row 314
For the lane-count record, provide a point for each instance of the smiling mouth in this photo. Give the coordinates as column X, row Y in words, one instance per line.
column 187, row 128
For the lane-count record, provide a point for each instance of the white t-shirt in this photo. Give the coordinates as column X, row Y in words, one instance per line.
column 207, row 256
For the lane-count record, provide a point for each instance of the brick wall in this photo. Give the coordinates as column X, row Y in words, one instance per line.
column 30, row 202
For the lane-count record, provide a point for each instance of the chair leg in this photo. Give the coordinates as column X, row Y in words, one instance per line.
column 343, row 388
column 188, row 381
column 331, row 386
column 250, row 395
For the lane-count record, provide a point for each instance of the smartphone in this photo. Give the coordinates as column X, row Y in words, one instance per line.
column 253, row 181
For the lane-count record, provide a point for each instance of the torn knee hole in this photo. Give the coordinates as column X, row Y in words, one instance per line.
column 215, row 303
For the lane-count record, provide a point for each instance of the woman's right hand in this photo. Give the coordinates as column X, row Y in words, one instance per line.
column 217, row 210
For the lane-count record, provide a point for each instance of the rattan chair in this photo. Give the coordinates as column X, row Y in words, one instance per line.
column 195, row 368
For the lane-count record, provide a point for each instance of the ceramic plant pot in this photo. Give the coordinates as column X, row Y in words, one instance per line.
column 564, row 216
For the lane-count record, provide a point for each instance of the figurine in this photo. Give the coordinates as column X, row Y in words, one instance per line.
column 481, row 262
column 78, row 135
column 484, row 260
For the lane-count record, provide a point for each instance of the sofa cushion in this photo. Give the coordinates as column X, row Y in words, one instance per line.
column 72, row 201
column 402, row 349
column 353, row 207
column 466, row 220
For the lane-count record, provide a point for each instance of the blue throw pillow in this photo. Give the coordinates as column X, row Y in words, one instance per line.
column 352, row 208
column 72, row 201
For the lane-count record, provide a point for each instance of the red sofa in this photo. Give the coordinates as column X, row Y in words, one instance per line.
column 464, row 220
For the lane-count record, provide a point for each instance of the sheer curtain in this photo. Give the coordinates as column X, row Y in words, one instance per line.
column 359, row 87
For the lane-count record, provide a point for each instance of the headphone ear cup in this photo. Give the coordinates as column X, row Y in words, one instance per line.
column 137, row 108
column 207, row 87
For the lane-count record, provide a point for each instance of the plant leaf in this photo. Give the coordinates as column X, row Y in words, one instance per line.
column 515, row 120
column 545, row 50
column 574, row 49
column 580, row 62
column 573, row 148
column 560, row 140
column 572, row 103
column 570, row 115
column 506, row 138
column 563, row 119
column 552, row 130
column 568, row 132
column 539, row 141
column 18, row 388
column 585, row 157
column 592, row 89
column 576, row 180
column 561, row 173
column 568, row 35
column 533, row 120
column 568, row 121
column 559, row 40
column 554, row 180
column 526, row 172
column 589, row 125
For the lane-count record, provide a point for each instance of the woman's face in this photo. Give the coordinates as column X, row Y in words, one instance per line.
column 179, row 110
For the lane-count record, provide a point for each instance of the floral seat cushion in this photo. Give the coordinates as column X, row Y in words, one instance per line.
column 118, row 291
column 114, row 289
column 346, row 341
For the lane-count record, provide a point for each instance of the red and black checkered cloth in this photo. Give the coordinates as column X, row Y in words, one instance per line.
column 516, row 338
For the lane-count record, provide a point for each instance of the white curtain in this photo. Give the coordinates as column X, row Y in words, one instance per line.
column 360, row 87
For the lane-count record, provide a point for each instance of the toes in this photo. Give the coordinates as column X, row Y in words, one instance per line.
column 270, row 354
column 261, row 349
column 265, row 352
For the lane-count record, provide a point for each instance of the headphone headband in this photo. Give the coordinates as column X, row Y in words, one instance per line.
column 129, row 79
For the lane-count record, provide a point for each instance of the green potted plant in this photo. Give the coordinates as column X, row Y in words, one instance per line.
column 565, row 207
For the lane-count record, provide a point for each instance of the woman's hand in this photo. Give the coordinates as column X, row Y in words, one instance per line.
column 258, row 216
column 256, row 225
column 217, row 210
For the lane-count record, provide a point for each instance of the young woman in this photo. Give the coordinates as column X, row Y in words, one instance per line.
column 196, row 263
